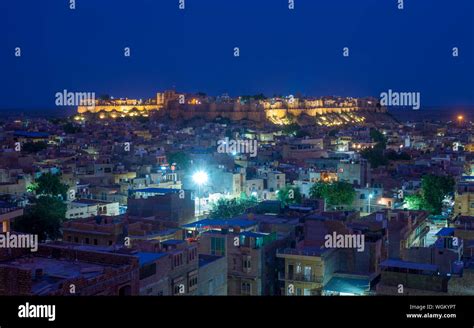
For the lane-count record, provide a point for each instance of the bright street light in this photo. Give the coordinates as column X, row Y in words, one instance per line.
column 200, row 178
column 370, row 197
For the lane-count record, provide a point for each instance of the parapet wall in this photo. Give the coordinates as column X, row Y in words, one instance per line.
column 234, row 112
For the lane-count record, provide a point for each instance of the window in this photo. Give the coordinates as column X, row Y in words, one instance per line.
column 307, row 273
column 192, row 254
column 177, row 289
column 245, row 288
column 193, row 282
column 95, row 242
column 76, row 239
column 87, row 241
column 298, row 268
column 217, row 246
column 247, row 263
column 178, row 260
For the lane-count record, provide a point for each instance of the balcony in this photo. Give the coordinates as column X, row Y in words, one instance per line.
column 300, row 252
column 299, row 277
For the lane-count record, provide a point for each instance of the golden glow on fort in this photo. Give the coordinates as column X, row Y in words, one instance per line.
column 325, row 111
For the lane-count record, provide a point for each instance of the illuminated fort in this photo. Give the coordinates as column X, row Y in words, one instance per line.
column 279, row 110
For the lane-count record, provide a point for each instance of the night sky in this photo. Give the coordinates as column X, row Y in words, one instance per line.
column 281, row 51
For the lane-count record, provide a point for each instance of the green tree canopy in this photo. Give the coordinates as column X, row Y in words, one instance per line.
column 335, row 194
column 225, row 208
column 434, row 189
column 289, row 195
column 44, row 218
column 71, row 128
column 34, row 147
column 376, row 156
column 50, row 184
column 414, row 202
column 180, row 158
column 378, row 137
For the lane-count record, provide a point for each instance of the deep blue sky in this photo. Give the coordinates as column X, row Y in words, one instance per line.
column 282, row 51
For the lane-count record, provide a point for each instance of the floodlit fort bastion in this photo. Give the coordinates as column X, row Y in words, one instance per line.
column 254, row 108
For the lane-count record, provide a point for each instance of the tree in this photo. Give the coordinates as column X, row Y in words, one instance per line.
column 50, row 184
column 333, row 133
column 394, row 156
column 335, row 194
column 227, row 208
column 414, row 202
column 44, row 218
column 289, row 195
column 70, row 128
column 34, row 147
column 376, row 156
column 180, row 158
column 378, row 137
column 295, row 130
column 434, row 189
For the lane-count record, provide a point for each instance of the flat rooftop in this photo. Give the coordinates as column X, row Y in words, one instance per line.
column 304, row 251
column 205, row 259
column 146, row 257
column 89, row 202
column 156, row 190
column 243, row 223
column 55, row 271
column 408, row 265
column 173, row 242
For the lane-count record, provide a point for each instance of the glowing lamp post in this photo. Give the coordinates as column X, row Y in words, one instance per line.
column 370, row 197
column 200, row 178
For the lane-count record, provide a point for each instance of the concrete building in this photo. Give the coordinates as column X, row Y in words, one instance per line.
column 212, row 275
column 8, row 213
column 410, row 278
column 98, row 231
column 357, row 173
column 305, row 270
column 86, row 208
column 464, row 199
column 172, row 205
column 60, row 270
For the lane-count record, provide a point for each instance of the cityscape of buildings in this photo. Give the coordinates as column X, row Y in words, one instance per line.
column 161, row 160
column 311, row 196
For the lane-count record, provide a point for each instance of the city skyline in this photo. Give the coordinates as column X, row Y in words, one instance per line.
column 158, row 153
